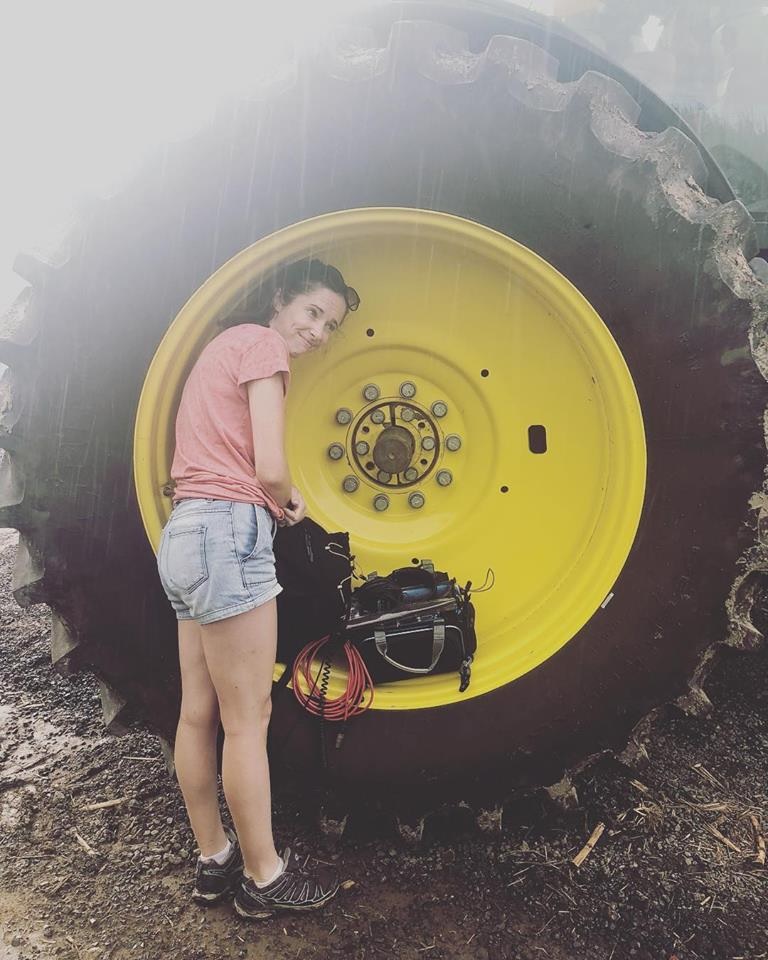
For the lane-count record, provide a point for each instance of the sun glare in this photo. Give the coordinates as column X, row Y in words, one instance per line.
column 88, row 88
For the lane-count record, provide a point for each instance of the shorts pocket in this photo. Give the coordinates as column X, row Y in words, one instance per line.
column 183, row 565
column 257, row 566
column 247, row 530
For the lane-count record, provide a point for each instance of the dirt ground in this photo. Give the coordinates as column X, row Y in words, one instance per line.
column 674, row 873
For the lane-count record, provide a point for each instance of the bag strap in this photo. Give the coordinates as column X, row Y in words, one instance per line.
column 438, row 644
column 285, row 677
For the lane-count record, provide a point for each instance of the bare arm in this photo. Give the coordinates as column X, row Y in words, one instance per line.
column 266, row 405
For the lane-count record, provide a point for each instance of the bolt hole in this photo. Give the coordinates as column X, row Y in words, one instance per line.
column 484, row 373
column 423, row 462
column 366, row 429
column 537, row 438
column 369, row 332
column 370, row 465
column 504, row 489
column 421, row 424
column 415, row 560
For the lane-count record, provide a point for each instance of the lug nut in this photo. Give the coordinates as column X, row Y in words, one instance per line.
column 383, row 477
column 371, row 391
column 428, row 443
column 407, row 390
column 335, row 451
column 361, row 447
column 407, row 414
column 416, row 500
column 377, row 416
column 453, row 442
column 444, row 478
column 411, row 474
column 439, row 408
column 343, row 416
column 350, row 484
column 380, row 502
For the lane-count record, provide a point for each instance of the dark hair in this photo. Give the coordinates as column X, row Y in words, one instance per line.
column 291, row 280
column 302, row 276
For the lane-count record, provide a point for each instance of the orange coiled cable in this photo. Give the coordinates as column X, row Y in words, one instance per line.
column 311, row 691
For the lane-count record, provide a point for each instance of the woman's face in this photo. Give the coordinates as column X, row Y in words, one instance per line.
column 309, row 319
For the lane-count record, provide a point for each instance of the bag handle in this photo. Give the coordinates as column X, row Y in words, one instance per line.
column 438, row 644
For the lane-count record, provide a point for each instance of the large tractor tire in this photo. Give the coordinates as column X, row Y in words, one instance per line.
column 559, row 278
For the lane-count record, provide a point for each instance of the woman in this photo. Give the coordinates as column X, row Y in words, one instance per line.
column 232, row 487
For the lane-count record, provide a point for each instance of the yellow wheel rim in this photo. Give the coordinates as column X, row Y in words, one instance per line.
column 520, row 423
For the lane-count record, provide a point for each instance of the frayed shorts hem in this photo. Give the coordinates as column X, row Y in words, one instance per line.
column 223, row 613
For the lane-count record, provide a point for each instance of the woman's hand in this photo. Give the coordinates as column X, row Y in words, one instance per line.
column 296, row 509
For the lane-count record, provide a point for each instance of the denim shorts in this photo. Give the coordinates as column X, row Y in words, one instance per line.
column 216, row 560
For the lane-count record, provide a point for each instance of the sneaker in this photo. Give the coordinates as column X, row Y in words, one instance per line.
column 297, row 888
column 213, row 881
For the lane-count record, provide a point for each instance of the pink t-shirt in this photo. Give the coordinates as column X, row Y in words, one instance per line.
column 214, row 439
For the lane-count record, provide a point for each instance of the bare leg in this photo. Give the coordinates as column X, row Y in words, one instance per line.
column 195, row 749
column 240, row 653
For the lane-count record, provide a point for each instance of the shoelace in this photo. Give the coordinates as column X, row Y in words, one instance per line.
column 294, row 863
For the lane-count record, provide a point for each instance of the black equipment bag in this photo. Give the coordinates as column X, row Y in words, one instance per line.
column 414, row 622
column 314, row 569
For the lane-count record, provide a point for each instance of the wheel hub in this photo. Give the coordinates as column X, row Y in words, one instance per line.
column 393, row 450
column 392, row 443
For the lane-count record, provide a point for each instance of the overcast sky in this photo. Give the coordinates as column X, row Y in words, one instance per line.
column 86, row 88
